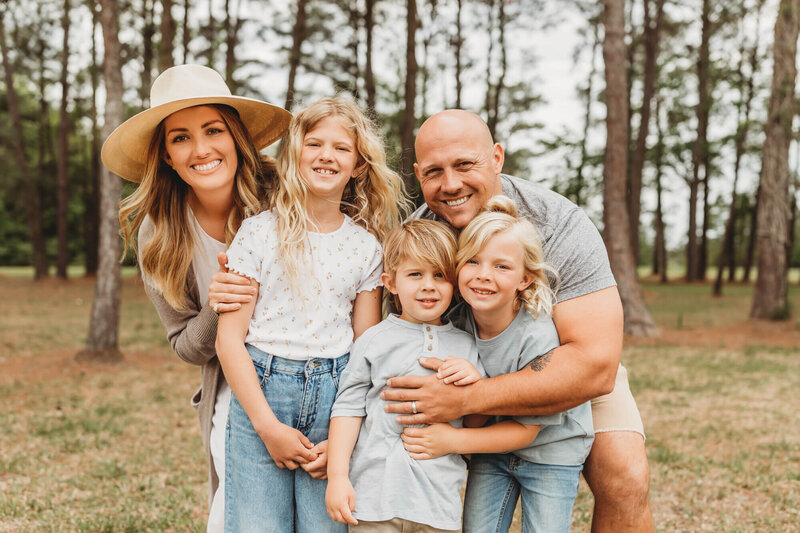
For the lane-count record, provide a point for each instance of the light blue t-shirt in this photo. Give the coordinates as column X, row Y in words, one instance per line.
column 565, row 438
column 388, row 483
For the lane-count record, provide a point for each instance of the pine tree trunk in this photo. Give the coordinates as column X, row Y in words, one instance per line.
column 32, row 199
column 91, row 197
column 148, row 33
column 62, row 258
column 702, row 254
column 771, row 293
column 165, row 51
column 298, row 36
column 751, row 240
column 185, row 35
column 493, row 114
column 102, row 341
column 652, row 32
column 660, row 245
column 369, row 77
column 588, row 95
column 409, row 114
column 232, row 25
column 458, row 42
column 701, row 142
column 615, row 215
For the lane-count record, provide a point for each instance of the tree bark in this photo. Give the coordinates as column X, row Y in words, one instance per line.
column 232, row 25
column 458, row 43
column 409, row 114
column 588, row 95
column 369, row 77
column 165, row 51
column 493, row 113
column 185, row 35
column 91, row 198
column 652, row 32
column 32, row 200
column 660, row 246
column 701, row 142
column 615, row 215
column 298, row 36
column 771, row 293
column 62, row 258
column 102, row 342
column 148, row 33
column 751, row 240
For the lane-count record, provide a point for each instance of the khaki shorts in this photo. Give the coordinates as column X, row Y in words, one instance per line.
column 617, row 411
column 397, row 525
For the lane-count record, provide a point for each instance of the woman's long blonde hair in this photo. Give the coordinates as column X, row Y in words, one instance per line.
column 163, row 196
column 499, row 215
column 375, row 199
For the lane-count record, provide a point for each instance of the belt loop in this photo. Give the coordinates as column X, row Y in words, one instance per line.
column 268, row 365
column 334, row 365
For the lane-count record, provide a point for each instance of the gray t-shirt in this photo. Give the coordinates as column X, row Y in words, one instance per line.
column 565, row 438
column 571, row 243
column 387, row 481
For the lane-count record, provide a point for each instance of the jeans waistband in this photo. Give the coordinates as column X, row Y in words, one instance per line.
column 318, row 365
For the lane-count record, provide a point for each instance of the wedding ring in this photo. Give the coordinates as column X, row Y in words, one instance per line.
column 414, row 407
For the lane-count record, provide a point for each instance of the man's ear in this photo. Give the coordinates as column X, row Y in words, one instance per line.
column 416, row 172
column 388, row 282
column 498, row 158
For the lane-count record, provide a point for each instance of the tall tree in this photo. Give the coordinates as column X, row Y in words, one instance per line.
column 409, row 120
column 660, row 244
column 771, row 293
column 166, row 49
column 746, row 94
column 369, row 77
column 91, row 198
column 185, row 33
column 62, row 258
column 652, row 32
column 298, row 36
column 458, row 43
column 233, row 23
column 148, row 33
column 615, row 215
column 32, row 199
column 102, row 341
column 700, row 148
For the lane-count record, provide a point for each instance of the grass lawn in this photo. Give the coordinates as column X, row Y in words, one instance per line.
column 98, row 447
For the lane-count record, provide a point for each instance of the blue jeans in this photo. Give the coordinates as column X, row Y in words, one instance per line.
column 495, row 482
column 259, row 496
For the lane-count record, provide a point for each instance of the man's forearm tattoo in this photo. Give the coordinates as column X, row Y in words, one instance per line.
column 538, row 364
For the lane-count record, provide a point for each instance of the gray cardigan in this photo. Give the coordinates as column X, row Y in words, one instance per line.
column 192, row 333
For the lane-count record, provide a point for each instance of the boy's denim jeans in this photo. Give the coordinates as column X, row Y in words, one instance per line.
column 495, row 482
column 259, row 496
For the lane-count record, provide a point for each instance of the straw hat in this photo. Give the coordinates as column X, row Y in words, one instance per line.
column 125, row 150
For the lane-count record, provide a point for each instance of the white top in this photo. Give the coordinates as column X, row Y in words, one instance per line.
column 313, row 319
column 204, row 260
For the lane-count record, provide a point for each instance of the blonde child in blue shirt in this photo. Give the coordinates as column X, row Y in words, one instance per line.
column 315, row 259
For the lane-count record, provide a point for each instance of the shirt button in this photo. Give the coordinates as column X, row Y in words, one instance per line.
column 427, row 328
column 430, row 336
column 430, row 348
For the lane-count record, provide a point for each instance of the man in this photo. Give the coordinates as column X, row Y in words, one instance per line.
column 459, row 168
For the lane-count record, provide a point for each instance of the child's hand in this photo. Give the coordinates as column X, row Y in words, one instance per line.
column 318, row 468
column 431, row 441
column 340, row 499
column 288, row 447
column 458, row 371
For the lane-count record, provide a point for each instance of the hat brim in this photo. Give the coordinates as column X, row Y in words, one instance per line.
column 125, row 150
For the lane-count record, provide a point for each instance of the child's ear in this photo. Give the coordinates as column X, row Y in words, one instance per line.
column 388, row 282
column 526, row 281
column 359, row 170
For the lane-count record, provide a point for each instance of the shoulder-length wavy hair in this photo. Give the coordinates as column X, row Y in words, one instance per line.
column 163, row 196
column 375, row 199
column 499, row 215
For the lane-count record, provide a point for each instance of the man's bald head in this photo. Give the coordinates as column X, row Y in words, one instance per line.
column 455, row 122
column 458, row 165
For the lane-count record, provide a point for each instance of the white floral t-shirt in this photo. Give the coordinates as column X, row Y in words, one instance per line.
column 313, row 319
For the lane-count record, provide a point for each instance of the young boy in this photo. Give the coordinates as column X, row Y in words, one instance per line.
column 388, row 486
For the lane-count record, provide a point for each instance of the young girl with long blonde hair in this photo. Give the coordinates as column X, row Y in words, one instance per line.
column 315, row 259
column 502, row 276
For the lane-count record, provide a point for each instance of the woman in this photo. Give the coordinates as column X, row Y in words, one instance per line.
column 195, row 155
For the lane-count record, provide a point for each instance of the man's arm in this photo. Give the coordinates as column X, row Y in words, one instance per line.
column 583, row 367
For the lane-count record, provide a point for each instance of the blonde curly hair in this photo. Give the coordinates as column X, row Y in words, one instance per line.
column 499, row 215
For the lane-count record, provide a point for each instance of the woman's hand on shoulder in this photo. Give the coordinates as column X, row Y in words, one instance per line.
column 228, row 290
